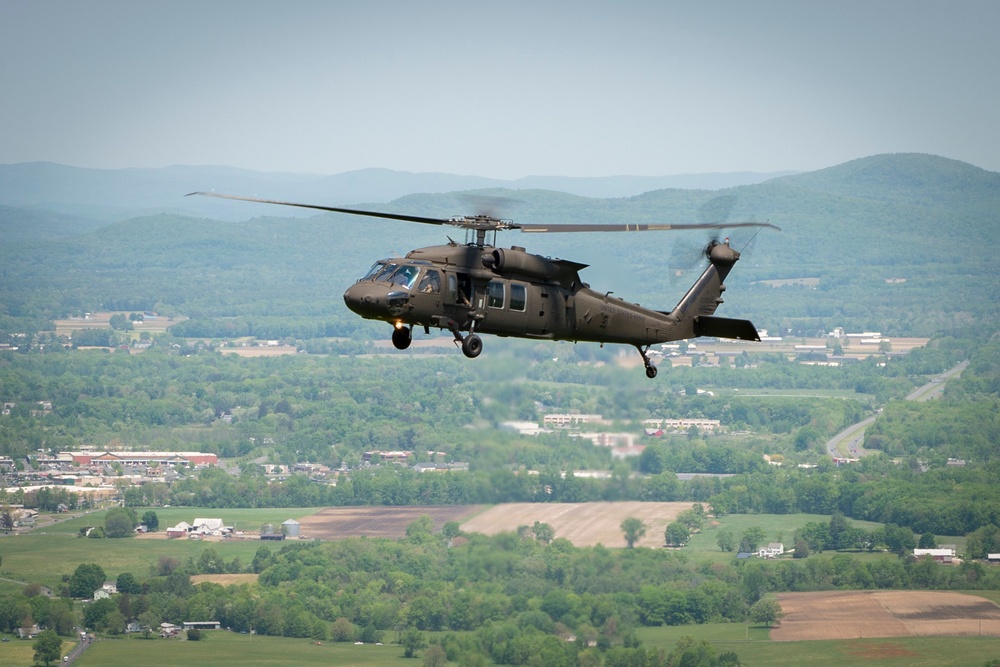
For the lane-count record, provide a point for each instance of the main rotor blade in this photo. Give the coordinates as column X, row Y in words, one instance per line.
column 352, row 211
column 640, row 228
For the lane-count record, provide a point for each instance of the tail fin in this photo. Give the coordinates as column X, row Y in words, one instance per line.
column 706, row 293
column 695, row 311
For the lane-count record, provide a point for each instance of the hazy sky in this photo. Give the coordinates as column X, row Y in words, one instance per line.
column 501, row 89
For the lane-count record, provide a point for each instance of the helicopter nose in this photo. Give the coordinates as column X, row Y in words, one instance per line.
column 374, row 301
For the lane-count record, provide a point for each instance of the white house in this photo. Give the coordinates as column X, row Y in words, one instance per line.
column 772, row 550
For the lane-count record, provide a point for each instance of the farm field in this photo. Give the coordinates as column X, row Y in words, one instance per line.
column 153, row 325
column 583, row 524
column 389, row 522
column 64, row 550
column 752, row 645
column 869, row 614
column 227, row 649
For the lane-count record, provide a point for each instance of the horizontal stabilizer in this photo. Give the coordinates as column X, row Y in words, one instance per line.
column 724, row 327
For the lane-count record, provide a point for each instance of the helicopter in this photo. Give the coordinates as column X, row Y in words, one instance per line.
column 475, row 288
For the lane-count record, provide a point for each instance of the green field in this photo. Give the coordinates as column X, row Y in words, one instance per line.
column 45, row 554
column 759, row 651
column 777, row 528
column 217, row 649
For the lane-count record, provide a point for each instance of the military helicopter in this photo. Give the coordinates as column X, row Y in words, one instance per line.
column 478, row 288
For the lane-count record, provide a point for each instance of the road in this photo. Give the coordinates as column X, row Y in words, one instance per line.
column 847, row 443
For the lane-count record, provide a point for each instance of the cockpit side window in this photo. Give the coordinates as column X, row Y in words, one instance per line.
column 430, row 283
column 372, row 272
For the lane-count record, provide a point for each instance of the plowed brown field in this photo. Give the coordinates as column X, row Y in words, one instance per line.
column 853, row 614
column 583, row 524
column 342, row 522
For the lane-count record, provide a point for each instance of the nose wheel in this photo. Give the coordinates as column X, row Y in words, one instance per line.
column 402, row 337
column 650, row 368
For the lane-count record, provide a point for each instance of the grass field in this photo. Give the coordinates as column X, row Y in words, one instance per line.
column 217, row 649
column 63, row 550
column 754, row 649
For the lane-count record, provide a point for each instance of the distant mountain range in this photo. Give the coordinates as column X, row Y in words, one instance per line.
column 119, row 194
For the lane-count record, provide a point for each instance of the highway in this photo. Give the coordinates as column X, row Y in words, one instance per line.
column 847, row 443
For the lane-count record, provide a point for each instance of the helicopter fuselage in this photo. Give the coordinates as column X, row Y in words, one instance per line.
column 510, row 292
column 478, row 288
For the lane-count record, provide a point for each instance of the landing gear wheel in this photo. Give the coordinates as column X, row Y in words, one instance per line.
column 472, row 345
column 402, row 337
column 650, row 368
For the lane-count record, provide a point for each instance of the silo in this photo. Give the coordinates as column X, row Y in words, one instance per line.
column 290, row 528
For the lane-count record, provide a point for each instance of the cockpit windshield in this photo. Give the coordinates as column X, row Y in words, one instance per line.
column 385, row 270
column 405, row 276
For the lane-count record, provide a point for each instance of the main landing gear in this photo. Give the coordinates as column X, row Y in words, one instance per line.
column 650, row 368
column 471, row 345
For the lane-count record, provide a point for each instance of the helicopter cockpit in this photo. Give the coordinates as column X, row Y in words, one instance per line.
column 405, row 275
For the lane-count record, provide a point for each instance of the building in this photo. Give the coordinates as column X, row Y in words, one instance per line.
column 180, row 530
column 135, row 459
column 772, row 550
column 202, row 625
column 572, row 420
column 291, row 527
column 944, row 554
column 661, row 425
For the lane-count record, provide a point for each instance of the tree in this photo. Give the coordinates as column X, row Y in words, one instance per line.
column 766, row 611
column 126, row 583
column 451, row 530
column 543, row 532
column 726, row 539
column 86, row 579
column 435, row 656
column 119, row 522
column 927, row 541
column 413, row 641
column 676, row 534
column 6, row 519
column 752, row 538
column 48, row 647
column 634, row 529
column 151, row 521
column 342, row 630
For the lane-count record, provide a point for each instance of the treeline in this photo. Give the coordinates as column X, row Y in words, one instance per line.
column 946, row 501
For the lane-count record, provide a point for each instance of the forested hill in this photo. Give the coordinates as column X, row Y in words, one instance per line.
column 904, row 244
column 119, row 194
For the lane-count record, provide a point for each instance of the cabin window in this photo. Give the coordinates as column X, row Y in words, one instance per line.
column 494, row 295
column 518, row 297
